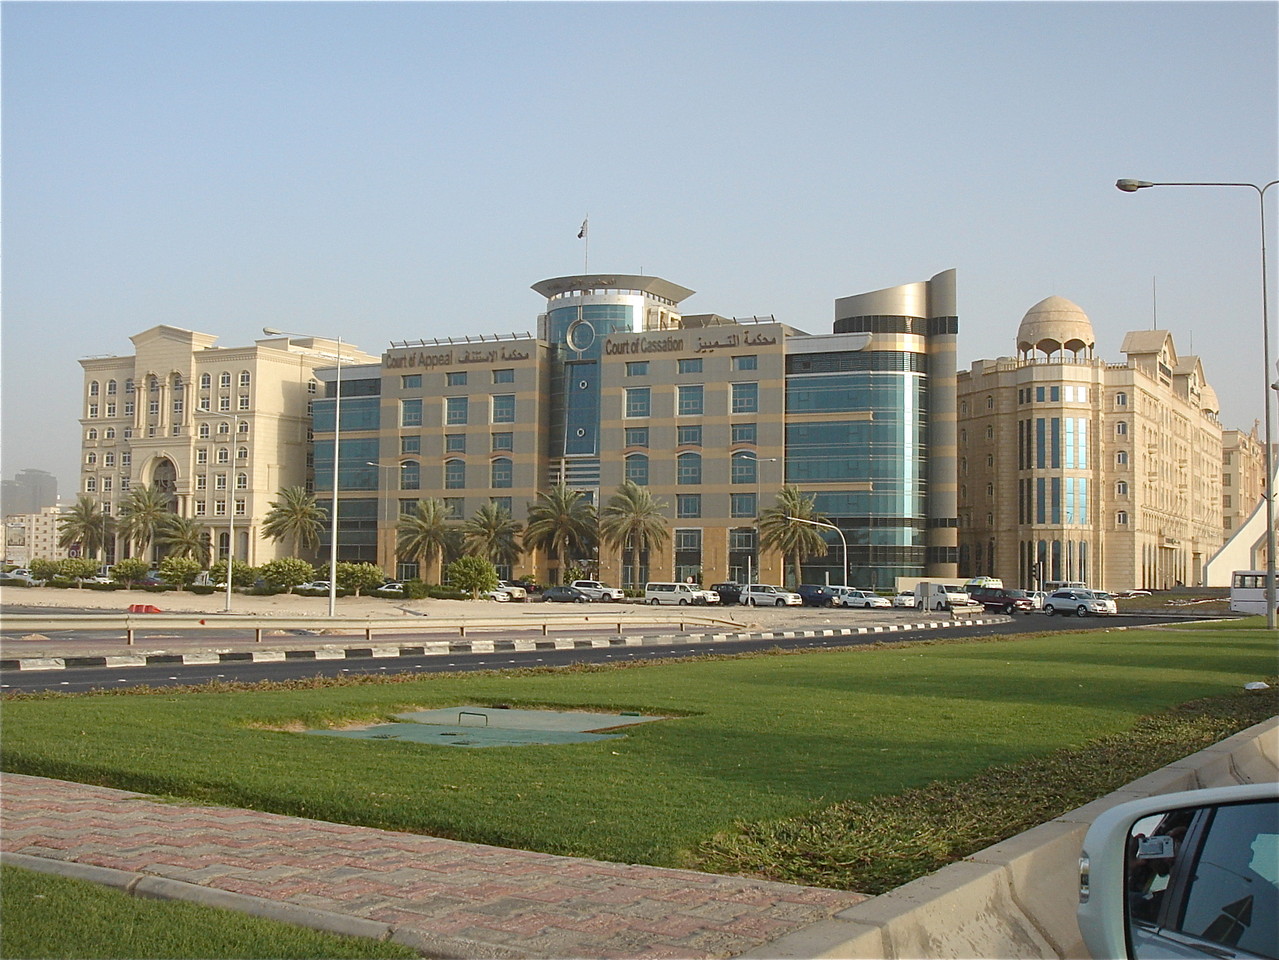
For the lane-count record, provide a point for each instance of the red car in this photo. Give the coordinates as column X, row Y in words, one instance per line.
column 1002, row 600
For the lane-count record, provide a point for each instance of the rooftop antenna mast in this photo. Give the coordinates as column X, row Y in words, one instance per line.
column 584, row 234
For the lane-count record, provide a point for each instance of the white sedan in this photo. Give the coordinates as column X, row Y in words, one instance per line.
column 905, row 599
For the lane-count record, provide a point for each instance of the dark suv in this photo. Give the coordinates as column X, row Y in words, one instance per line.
column 816, row 595
column 1002, row 599
column 728, row 592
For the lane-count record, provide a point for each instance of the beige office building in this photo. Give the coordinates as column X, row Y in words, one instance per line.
column 1075, row 468
column 1243, row 473
column 220, row 429
column 33, row 536
column 713, row 415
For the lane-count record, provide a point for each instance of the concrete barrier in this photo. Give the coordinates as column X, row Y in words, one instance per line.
column 1017, row 898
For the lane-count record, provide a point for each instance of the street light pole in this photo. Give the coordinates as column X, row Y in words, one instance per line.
column 337, row 431
column 842, row 539
column 759, row 476
column 1132, row 186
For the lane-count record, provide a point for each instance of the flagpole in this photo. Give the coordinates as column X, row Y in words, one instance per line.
column 585, row 234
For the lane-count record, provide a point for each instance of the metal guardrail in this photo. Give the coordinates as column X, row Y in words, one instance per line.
column 129, row 623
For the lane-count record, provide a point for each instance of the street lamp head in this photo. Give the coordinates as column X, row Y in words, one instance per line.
column 1132, row 186
column 272, row 332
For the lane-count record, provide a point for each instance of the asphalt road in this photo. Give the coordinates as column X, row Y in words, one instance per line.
column 79, row 680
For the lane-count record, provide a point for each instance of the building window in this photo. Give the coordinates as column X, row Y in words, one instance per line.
column 637, row 469
column 111, row 388
column 1121, row 518
column 93, row 410
column 242, row 453
column 500, row 473
column 91, row 435
column 745, row 398
column 455, row 410
column 244, row 380
column 1121, row 399
column 637, row 436
column 204, row 405
column 688, row 469
column 313, row 387
column 200, row 508
column 128, row 408
column 503, row 441
column 455, row 379
column 91, row 485
column 224, row 404
column 93, row 388
column 690, row 400
column 745, row 468
column 224, row 379
column 690, row 365
column 111, row 409
column 219, row 508
column 219, row 481
column 244, row 403
column 503, row 503
column 749, row 362
column 688, row 505
column 1121, row 429
column 637, row 401
column 410, row 475
column 689, row 436
column 109, row 434
column 224, row 429
column 201, row 454
column 126, row 458
column 453, row 507
column 410, row 413
column 206, row 381
column 239, row 506
column 504, row 376
column 91, row 459
column 410, row 444
column 454, row 475
column 241, row 481
column 637, row 368
column 455, row 443
column 1121, row 488
column 504, row 408
column 1121, row 458
column 1225, row 478
column 243, row 428
column 990, row 403
column 742, row 504
column 411, row 381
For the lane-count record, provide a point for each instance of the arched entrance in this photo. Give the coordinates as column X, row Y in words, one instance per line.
column 164, row 478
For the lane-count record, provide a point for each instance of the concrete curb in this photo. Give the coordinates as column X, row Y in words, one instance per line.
column 1016, row 898
column 454, row 647
column 160, row 888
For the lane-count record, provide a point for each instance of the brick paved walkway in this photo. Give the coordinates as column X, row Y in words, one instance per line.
column 460, row 897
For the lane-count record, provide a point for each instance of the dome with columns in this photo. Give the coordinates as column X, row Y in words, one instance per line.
column 1055, row 325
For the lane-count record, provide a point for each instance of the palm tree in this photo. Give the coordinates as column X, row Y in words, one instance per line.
column 794, row 541
column 186, row 537
column 491, row 534
column 143, row 515
column 425, row 534
column 87, row 525
column 633, row 519
column 295, row 514
column 559, row 521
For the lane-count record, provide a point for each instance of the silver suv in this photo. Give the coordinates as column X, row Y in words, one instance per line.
column 763, row 595
column 598, row 591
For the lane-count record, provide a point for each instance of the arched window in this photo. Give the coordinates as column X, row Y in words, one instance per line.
column 206, row 381
column 1121, row 518
column 1121, row 399
column 111, row 385
column 93, row 388
column 244, row 379
column 243, row 427
column 224, row 428
column 637, row 469
column 204, row 431
column 91, row 459
column 241, row 481
column 224, row 378
column 224, row 455
column 990, row 403
column 1121, row 458
column 108, row 433
column 153, row 383
column 1121, row 428
column 688, row 468
column 128, row 385
column 91, row 434
column 1121, row 488
column 454, row 474
column 242, row 453
column 500, row 473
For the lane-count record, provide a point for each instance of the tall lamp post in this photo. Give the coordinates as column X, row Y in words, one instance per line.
column 337, row 431
column 759, row 476
column 842, row 539
column 387, row 513
column 1132, row 186
column 230, row 514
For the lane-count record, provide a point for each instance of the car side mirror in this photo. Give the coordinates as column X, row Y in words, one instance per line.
column 1192, row 874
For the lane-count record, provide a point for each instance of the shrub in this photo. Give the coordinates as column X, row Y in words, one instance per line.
column 61, row 583
column 103, row 586
column 443, row 593
column 203, row 589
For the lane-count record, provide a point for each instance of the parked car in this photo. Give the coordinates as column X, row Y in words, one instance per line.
column 1037, row 597
column 564, row 595
column 728, row 592
column 393, row 586
column 1081, row 603
column 941, row 596
column 99, row 579
column 316, row 585
column 762, row 594
column 599, row 591
column 906, row 599
column 506, row 592
column 851, row 597
column 1002, row 599
column 706, row 598
column 530, row 586
column 153, row 581
column 816, row 594
column 19, row 576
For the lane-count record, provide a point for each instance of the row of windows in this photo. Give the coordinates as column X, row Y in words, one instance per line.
column 1051, row 442
column 688, row 365
column 457, row 410
column 1070, row 393
column 204, row 405
column 691, row 400
column 413, row 381
column 219, row 508
column 688, row 468
column 857, row 361
column 690, row 435
column 108, row 459
column 223, row 454
column 501, row 474
column 153, row 383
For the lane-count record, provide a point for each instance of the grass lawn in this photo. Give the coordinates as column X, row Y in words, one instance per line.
column 754, row 740
column 60, row 917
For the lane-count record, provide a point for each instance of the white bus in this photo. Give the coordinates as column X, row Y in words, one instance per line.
column 1248, row 592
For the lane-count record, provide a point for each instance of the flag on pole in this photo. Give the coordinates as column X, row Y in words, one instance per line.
column 581, row 234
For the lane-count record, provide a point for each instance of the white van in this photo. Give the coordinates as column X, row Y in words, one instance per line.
column 683, row 594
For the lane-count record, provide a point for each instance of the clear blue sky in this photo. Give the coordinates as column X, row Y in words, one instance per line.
column 405, row 170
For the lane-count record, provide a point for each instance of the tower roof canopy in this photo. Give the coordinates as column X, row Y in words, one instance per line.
column 593, row 282
column 1055, row 324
